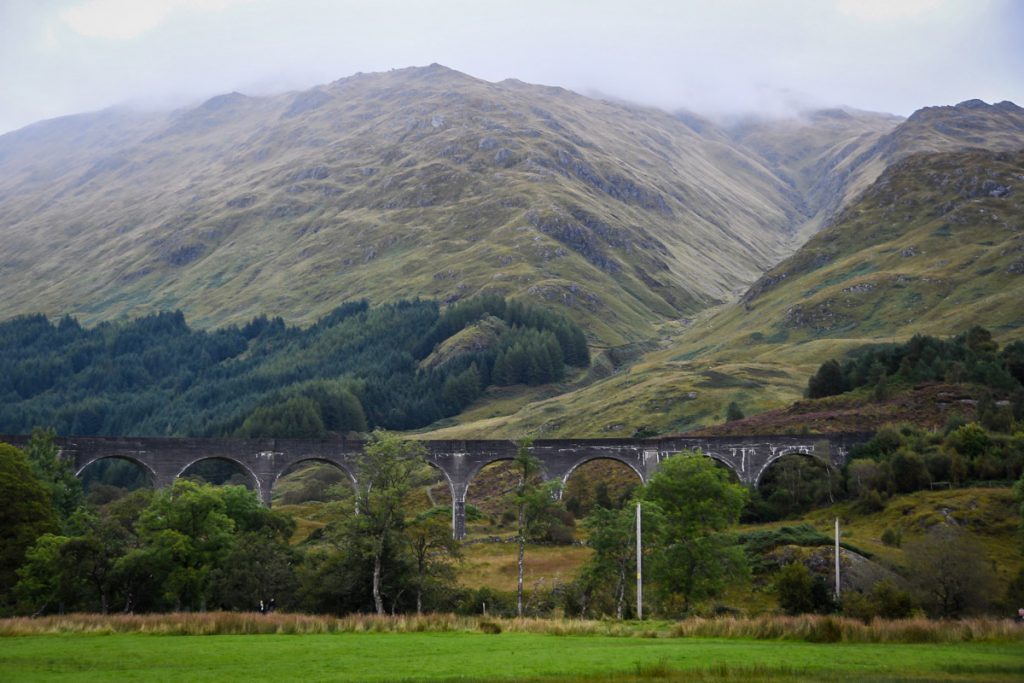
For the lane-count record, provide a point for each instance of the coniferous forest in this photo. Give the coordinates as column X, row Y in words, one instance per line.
column 395, row 366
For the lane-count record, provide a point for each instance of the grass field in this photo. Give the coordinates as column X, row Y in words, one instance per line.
column 485, row 657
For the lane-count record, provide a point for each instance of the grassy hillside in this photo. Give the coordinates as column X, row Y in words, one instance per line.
column 934, row 246
column 416, row 182
column 989, row 514
column 641, row 225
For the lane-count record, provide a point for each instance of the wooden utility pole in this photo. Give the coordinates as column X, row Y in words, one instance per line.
column 639, row 569
column 837, row 560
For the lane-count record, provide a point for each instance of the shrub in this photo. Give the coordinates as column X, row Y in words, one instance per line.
column 800, row 591
column 949, row 570
column 828, row 381
column 909, row 472
column 871, row 501
column 490, row 627
column 888, row 439
column 891, row 538
column 970, row 440
column 890, row 601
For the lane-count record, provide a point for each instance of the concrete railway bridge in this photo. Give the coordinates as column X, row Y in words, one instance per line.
column 266, row 460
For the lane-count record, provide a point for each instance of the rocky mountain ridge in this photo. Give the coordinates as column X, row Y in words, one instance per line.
column 416, row 182
column 934, row 246
column 428, row 182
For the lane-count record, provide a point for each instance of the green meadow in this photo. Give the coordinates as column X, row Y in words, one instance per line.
column 489, row 657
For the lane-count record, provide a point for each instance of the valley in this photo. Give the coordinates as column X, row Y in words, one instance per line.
column 454, row 259
column 708, row 261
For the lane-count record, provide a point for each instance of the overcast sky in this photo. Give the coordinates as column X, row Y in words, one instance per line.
column 67, row 56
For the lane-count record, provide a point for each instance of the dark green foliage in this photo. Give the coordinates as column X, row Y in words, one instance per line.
column 570, row 338
column 792, row 485
column 387, row 473
column 1013, row 358
column 298, row 418
column 191, row 546
column 1015, row 592
column 898, row 459
column 802, row 591
column 760, row 542
column 733, row 412
column 356, row 368
column 696, row 505
column 268, row 578
column 901, row 460
column 57, row 475
column 462, row 389
column 112, row 473
column 909, row 472
column 26, row 513
column 605, row 579
column 950, row 573
column 970, row 357
column 885, row 600
column 340, row 411
column 828, row 381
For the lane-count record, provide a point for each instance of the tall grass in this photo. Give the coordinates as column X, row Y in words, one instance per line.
column 808, row 628
column 830, row 629
column 231, row 623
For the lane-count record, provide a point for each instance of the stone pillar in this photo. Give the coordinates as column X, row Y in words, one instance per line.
column 163, row 480
column 264, row 487
column 459, row 512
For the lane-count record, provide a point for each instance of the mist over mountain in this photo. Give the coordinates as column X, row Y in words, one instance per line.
column 427, row 182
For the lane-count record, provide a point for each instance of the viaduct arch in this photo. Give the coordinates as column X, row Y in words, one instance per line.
column 265, row 460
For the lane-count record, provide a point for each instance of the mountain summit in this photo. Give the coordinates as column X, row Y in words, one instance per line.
column 418, row 182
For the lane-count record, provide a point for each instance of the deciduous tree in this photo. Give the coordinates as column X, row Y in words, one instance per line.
column 433, row 551
column 26, row 513
column 949, row 572
column 695, row 553
column 528, row 468
column 387, row 472
column 612, row 536
column 55, row 474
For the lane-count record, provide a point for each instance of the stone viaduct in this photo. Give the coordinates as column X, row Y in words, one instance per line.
column 266, row 460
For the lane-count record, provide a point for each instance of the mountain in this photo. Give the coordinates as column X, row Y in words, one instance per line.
column 831, row 156
column 644, row 226
column 937, row 242
column 416, row 182
column 935, row 245
column 816, row 153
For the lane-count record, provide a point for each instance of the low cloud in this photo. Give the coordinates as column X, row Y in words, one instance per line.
column 728, row 56
column 129, row 19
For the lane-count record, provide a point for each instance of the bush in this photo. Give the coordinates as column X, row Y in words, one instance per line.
column 888, row 439
column 909, row 472
column 891, row 538
column 871, row 501
column 800, row 591
column 885, row 600
column 490, row 627
column 890, row 601
column 828, row 381
column 950, row 573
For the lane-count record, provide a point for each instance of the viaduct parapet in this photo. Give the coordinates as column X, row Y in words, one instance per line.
column 266, row 460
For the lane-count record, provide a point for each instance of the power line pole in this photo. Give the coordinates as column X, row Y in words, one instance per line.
column 639, row 569
column 837, row 560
